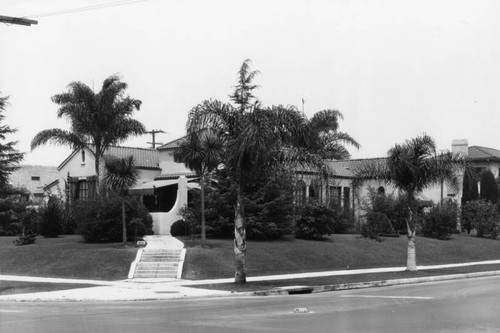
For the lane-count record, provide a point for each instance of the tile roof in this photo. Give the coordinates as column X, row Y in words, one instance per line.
column 172, row 144
column 347, row 168
column 144, row 158
column 483, row 153
column 33, row 177
column 164, row 176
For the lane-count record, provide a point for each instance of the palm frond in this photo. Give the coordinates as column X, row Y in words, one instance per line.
column 121, row 173
column 58, row 137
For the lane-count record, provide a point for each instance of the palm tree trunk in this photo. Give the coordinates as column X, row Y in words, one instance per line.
column 124, row 223
column 203, row 228
column 240, row 245
column 411, row 261
column 97, row 163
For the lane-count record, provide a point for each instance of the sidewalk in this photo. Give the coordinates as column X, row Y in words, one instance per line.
column 156, row 289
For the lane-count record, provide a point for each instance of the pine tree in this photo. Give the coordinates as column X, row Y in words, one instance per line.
column 9, row 156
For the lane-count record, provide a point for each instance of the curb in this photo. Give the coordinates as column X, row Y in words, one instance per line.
column 370, row 284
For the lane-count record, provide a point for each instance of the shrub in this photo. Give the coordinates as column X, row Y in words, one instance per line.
column 25, row 239
column 51, row 217
column 441, row 221
column 180, row 228
column 489, row 187
column 316, row 220
column 99, row 219
column 268, row 208
column 385, row 214
column 482, row 216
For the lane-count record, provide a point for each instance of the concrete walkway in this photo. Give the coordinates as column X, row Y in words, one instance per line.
column 156, row 289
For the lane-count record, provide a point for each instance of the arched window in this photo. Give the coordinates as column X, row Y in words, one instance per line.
column 300, row 193
column 381, row 190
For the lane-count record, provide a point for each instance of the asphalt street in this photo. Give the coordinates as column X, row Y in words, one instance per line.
column 469, row 305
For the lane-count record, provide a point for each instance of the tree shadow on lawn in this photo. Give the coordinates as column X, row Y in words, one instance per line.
column 21, row 287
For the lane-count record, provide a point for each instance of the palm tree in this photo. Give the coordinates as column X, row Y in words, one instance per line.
column 120, row 175
column 325, row 138
column 201, row 152
column 256, row 142
column 97, row 121
column 412, row 167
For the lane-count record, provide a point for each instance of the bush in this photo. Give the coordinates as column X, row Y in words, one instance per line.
column 51, row 217
column 385, row 215
column 26, row 239
column 268, row 207
column 100, row 219
column 489, row 187
column 180, row 228
column 316, row 220
column 441, row 221
column 482, row 216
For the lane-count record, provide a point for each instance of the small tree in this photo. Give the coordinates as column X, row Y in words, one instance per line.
column 482, row 216
column 51, row 217
column 489, row 188
column 121, row 174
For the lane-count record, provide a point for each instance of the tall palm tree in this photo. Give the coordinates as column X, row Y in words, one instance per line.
column 98, row 120
column 256, row 142
column 120, row 175
column 201, row 152
column 412, row 167
column 325, row 138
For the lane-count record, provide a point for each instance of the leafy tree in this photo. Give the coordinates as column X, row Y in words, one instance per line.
column 120, row 175
column 98, row 120
column 9, row 156
column 51, row 217
column 412, row 167
column 489, row 187
column 257, row 142
column 201, row 152
column 469, row 191
column 9, row 162
column 482, row 216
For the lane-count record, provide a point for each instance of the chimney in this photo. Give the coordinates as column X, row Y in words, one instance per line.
column 460, row 146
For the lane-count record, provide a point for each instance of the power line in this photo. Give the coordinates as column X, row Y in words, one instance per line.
column 86, row 8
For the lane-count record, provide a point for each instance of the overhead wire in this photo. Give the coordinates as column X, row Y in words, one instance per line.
column 85, row 8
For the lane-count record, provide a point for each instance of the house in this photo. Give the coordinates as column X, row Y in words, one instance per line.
column 342, row 190
column 33, row 178
column 162, row 184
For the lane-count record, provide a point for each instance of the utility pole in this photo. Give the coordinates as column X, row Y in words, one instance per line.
column 17, row 20
column 153, row 133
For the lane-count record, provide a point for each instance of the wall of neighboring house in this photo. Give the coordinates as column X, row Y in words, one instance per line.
column 493, row 166
column 168, row 164
column 340, row 192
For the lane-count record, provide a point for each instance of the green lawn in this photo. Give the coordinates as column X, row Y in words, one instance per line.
column 337, row 252
column 66, row 257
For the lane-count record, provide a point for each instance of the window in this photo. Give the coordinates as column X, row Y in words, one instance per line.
column 35, row 178
column 334, row 193
column 300, row 193
column 83, row 156
column 83, row 190
column 347, row 198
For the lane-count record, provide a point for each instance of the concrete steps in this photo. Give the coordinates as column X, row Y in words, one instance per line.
column 159, row 263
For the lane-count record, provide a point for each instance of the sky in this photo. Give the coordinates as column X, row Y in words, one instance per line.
column 395, row 69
